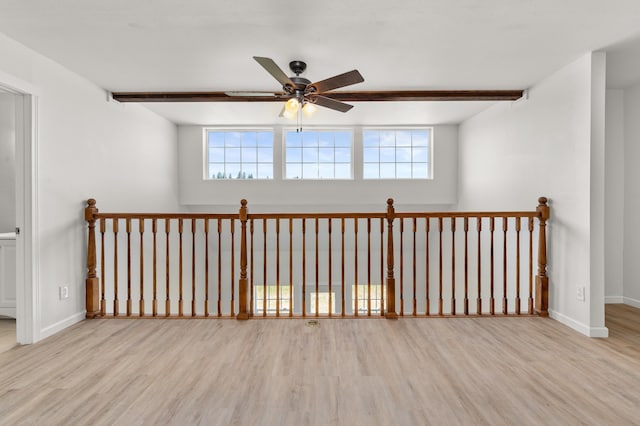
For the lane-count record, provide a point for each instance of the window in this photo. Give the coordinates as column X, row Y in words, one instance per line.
column 396, row 154
column 366, row 299
column 324, row 154
column 239, row 154
column 322, row 299
column 271, row 300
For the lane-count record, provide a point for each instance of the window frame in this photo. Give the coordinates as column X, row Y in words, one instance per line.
column 205, row 146
column 349, row 129
column 430, row 163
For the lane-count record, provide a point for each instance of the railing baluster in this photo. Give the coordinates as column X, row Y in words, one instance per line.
column 530, row 300
column 427, row 228
column 355, row 264
column 232, row 302
column 505, row 225
column 304, row 267
column 382, row 281
column 466, row 265
column 342, row 283
column 369, row 266
column 167, row 304
column 290, row 267
column 180, row 301
column 440, row 300
column 193, row 267
column 252, row 295
column 116, row 303
column 264, row 267
column 154, row 230
column 518, row 220
column 103, row 301
column 128, row 227
column 219, row 307
column 453, row 265
column 330, row 252
column 492, row 300
column 206, row 267
column 415, row 267
column 401, row 244
column 277, row 267
column 141, row 231
column 479, row 297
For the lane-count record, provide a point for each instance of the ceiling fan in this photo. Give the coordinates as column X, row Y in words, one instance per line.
column 301, row 91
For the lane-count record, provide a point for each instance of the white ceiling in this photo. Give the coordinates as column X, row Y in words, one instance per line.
column 163, row 45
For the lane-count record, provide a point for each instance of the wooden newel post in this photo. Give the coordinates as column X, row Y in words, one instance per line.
column 391, row 281
column 243, row 312
column 92, row 285
column 542, row 281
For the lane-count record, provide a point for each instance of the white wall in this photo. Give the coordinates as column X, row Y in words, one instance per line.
column 7, row 163
column 313, row 195
column 544, row 146
column 124, row 156
column 614, row 196
column 631, row 195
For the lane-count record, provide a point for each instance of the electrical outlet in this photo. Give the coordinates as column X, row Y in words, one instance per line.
column 580, row 293
column 63, row 292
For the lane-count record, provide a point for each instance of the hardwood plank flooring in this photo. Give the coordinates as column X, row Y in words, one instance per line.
column 489, row 371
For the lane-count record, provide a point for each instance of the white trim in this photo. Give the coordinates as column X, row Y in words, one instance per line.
column 613, row 299
column 632, row 302
column 61, row 325
column 17, row 86
column 578, row 326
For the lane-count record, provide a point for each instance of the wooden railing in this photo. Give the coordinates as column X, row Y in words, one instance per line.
column 262, row 265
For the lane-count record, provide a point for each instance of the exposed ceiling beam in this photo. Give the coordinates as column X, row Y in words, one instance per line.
column 361, row 96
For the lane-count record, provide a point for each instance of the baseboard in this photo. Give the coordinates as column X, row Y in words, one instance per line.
column 8, row 312
column 633, row 302
column 613, row 299
column 578, row 326
column 61, row 325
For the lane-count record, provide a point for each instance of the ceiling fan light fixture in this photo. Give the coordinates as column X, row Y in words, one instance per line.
column 292, row 105
column 309, row 109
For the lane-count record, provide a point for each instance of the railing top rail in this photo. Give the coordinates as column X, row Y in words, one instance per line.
column 166, row 216
column 349, row 215
column 532, row 214
column 317, row 215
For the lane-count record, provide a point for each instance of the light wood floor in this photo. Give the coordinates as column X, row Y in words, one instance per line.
column 354, row 372
column 7, row 333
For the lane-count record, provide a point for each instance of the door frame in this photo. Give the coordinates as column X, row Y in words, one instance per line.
column 28, row 239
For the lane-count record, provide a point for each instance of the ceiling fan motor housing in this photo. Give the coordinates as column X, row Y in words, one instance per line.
column 297, row 67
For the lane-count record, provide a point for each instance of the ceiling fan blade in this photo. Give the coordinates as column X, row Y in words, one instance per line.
column 342, row 80
column 273, row 69
column 330, row 103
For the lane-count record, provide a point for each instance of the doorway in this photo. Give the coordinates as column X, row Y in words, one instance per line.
column 7, row 221
column 25, row 101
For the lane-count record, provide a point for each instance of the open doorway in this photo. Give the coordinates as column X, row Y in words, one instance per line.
column 20, row 115
column 7, row 220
